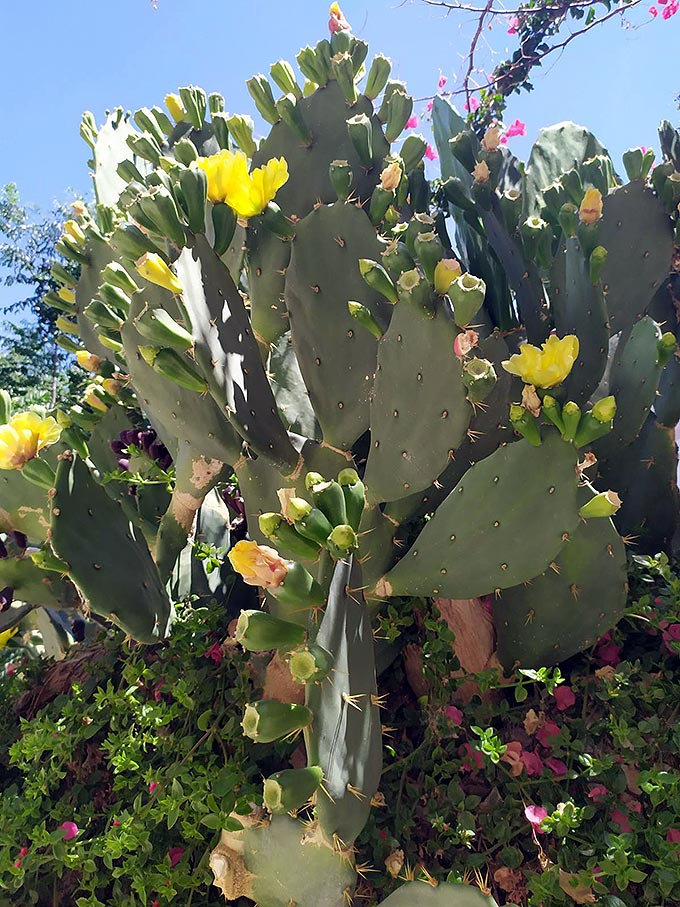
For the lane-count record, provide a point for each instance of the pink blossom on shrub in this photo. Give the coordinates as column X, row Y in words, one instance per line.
column 670, row 635
column 454, row 715
column 175, row 854
column 23, row 852
column 516, row 128
column 535, row 815
column 621, row 820
column 653, row 11
column 474, row 105
column 472, row 756
column 70, row 830
column 607, row 652
column 512, row 25
column 546, row 733
column 215, row 653
column 557, row 767
column 431, row 154
column 17, row 864
column 430, row 105
column 564, row 698
column 442, row 82
column 598, row 792
column 671, row 9
column 11, row 670
column 673, row 835
column 532, row 763
column 153, row 786
column 412, row 122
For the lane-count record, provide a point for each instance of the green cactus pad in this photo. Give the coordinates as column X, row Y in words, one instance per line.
column 228, row 355
column 569, row 607
column 110, row 150
column 24, row 507
column 667, row 404
column 558, row 148
column 177, row 414
column 44, row 588
column 418, row 393
column 579, row 308
column 636, row 232
column 92, row 534
column 510, row 512
column 289, row 389
column 644, row 474
column 346, row 737
column 267, row 260
column 337, row 357
column 633, row 381
column 90, row 280
column 420, row 894
column 326, row 113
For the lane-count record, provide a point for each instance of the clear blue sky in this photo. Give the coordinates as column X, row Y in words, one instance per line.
column 62, row 58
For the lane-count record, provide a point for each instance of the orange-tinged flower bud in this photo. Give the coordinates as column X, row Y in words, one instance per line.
column 591, row 207
column 481, row 173
column 337, row 21
column 445, row 272
column 89, row 361
column 259, row 565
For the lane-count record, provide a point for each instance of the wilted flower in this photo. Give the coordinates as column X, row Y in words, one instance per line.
column 337, row 21
column 89, row 361
column 259, row 565
column 591, row 207
column 394, row 863
column 464, row 342
column 24, row 436
column 492, row 138
column 247, row 193
column 481, row 173
column 390, row 176
column 535, row 815
column 545, row 367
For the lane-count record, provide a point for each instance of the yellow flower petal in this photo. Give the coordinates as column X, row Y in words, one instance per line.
column 247, row 193
column 6, row 635
column 545, row 367
column 24, row 436
column 591, row 207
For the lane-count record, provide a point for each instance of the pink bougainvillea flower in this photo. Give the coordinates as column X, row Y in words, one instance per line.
column 412, row 122
column 547, row 733
column 215, row 653
column 673, row 835
column 598, row 792
column 430, row 105
column 454, row 715
column 557, row 767
column 670, row 635
column 512, row 25
column 535, row 815
column 564, row 698
column 70, row 830
column 442, row 82
column 153, row 786
column 383, row 834
column 431, row 154
column 532, row 763
column 516, row 128
column 472, row 106
column 607, row 652
column 653, row 11
column 471, row 756
column 175, row 854
column 513, row 757
column 670, row 10
column 23, row 852
column 11, row 670
column 621, row 820
column 337, row 21
column 17, row 864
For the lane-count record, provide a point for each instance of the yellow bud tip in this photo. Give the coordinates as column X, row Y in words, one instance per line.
column 73, row 231
column 152, row 267
column 89, row 361
column 175, row 107
column 446, row 271
column 66, row 295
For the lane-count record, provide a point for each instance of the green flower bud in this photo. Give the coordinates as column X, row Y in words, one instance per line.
column 479, row 376
column 258, row 631
column 291, row 789
column 605, row 504
column 360, row 131
column 269, row 720
column 284, row 76
column 342, row 541
column 310, row 663
column 363, row 315
column 604, row 410
column 378, row 279
column 377, row 77
column 571, row 416
column 527, row 425
column 467, row 295
column 261, row 92
column 568, row 218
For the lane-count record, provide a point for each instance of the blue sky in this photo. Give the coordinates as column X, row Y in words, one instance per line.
column 62, row 58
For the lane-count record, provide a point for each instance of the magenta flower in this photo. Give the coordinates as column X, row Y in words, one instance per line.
column 512, row 25
column 557, row 767
column 670, row 635
column 564, row 698
column 546, row 733
column 473, row 105
column 516, row 128
column 670, row 10
column 175, row 854
column 23, row 852
column 11, row 670
column 471, row 755
column 431, row 154
column 153, row 786
column 598, row 792
column 17, row 864
column 70, row 830
column 454, row 715
column 621, row 820
column 215, row 653
column 115, row 823
column 430, row 105
column 673, row 835
column 412, row 122
column 535, row 815
column 442, row 82
column 607, row 652
column 532, row 763
column 653, row 11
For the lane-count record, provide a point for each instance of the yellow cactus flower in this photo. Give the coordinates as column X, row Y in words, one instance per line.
column 174, row 104
column 591, row 207
column 247, row 193
column 73, row 231
column 259, row 565
column 78, row 208
column 24, row 436
column 89, row 361
column 152, row 267
column 6, row 635
column 390, row 176
column 446, row 271
column 66, row 295
column 545, row 367
column 481, row 173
